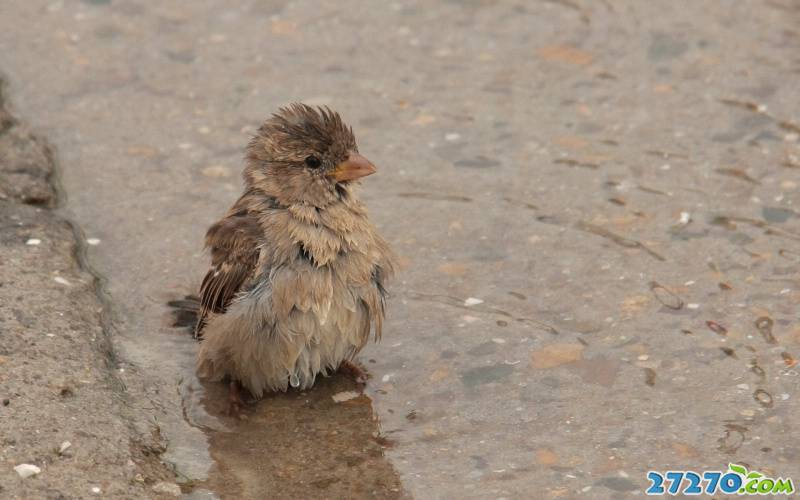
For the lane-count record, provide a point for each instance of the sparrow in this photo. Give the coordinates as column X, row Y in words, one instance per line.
column 298, row 272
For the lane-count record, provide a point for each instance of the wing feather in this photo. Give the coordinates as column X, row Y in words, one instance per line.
column 234, row 245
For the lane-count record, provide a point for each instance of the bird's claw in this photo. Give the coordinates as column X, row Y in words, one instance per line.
column 358, row 374
column 235, row 401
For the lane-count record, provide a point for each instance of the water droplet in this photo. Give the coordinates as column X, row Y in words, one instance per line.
column 294, row 381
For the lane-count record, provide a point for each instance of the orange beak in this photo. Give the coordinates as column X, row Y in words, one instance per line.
column 354, row 167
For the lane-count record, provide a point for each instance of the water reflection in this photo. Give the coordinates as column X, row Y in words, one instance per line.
column 298, row 445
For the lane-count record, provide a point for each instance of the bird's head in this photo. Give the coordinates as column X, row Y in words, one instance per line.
column 304, row 154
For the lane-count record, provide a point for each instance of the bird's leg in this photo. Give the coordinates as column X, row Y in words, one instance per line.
column 351, row 369
column 235, row 401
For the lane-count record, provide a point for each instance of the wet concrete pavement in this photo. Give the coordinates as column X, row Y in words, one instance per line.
column 596, row 204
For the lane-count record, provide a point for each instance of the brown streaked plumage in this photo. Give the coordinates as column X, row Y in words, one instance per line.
column 297, row 277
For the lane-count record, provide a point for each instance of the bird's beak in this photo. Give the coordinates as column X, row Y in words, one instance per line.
column 354, row 167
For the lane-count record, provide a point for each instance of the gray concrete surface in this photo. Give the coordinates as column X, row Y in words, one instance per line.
column 63, row 410
column 615, row 183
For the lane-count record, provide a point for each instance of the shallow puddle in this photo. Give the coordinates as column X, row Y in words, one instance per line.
column 300, row 445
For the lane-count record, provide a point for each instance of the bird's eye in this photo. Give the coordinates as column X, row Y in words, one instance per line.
column 313, row 162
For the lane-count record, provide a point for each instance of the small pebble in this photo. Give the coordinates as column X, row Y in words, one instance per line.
column 167, row 488
column 33, row 242
column 693, row 306
column 64, row 447
column 472, row 301
column 345, row 396
column 27, row 470
column 643, row 357
column 61, row 281
column 498, row 340
column 685, row 218
column 452, row 136
column 216, row 171
column 95, row 489
column 743, row 386
column 93, row 241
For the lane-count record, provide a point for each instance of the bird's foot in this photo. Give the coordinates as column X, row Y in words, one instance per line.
column 355, row 371
column 235, row 401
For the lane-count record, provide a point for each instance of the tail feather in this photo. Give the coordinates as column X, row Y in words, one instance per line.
column 185, row 312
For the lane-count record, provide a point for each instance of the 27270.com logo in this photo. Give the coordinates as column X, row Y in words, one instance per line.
column 735, row 481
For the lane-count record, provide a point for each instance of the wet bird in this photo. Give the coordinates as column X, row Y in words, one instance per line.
column 297, row 276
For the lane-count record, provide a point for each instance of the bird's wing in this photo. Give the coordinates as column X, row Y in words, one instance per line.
column 234, row 245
